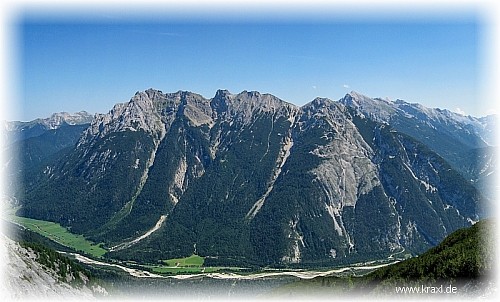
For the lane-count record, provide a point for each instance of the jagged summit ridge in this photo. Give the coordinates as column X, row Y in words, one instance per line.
column 203, row 111
column 150, row 109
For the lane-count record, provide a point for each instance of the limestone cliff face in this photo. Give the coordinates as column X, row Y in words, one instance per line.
column 137, row 114
column 25, row 277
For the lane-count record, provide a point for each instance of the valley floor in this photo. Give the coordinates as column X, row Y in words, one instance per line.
column 301, row 274
column 462, row 260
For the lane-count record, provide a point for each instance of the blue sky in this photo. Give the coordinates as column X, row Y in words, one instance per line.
column 92, row 64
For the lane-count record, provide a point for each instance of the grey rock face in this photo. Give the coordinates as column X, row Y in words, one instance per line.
column 26, row 278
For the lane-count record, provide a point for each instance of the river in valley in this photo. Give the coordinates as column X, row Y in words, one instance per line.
column 140, row 284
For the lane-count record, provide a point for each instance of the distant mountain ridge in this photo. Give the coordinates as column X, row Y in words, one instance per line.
column 391, row 111
column 250, row 178
column 28, row 144
column 14, row 131
column 451, row 135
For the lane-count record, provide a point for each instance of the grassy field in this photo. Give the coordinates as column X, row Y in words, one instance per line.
column 191, row 261
column 188, row 265
column 54, row 231
column 59, row 234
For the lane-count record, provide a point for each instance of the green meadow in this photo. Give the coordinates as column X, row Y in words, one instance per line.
column 54, row 231
column 191, row 261
column 188, row 265
column 59, row 234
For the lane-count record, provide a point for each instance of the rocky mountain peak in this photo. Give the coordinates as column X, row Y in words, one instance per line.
column 152, row 93
column 250, row 94
column 223, row 94
column 57, row 119
column 137, row 114
column 219, row 102
column 319, row 102
column 247, row 103
column 196, row 108
column 355, row 99
column 377, row 109
column 321, row 106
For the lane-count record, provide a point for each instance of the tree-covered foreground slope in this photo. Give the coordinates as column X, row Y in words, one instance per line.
column 462, row 264
column 35, row 271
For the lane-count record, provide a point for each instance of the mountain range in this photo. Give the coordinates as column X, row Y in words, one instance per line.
column 251, row 179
